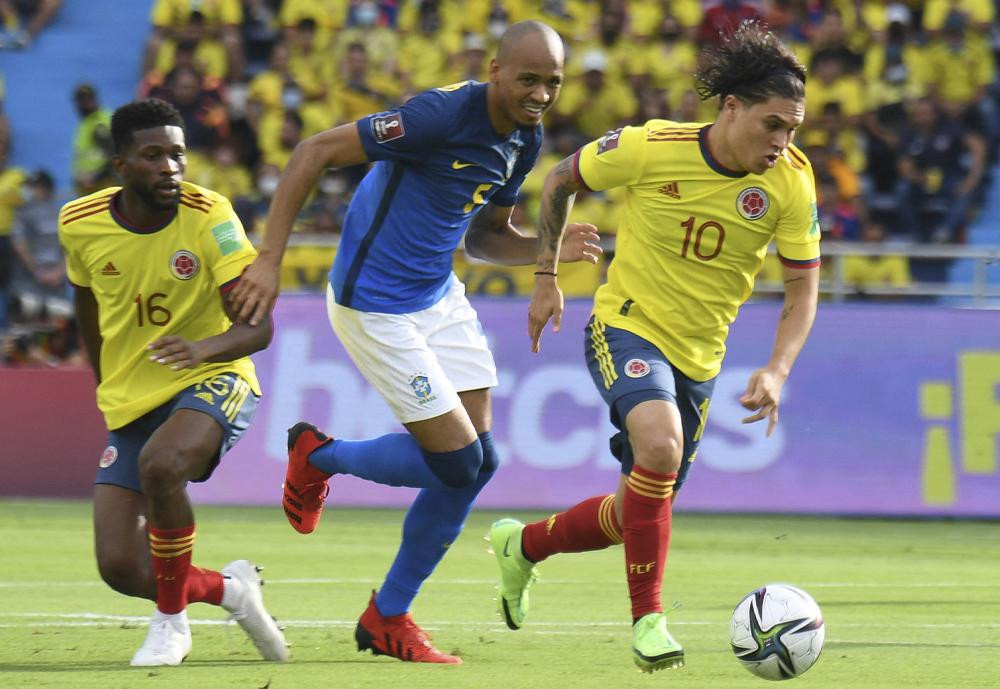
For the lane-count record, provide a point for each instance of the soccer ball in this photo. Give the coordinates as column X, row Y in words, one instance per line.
column 777, row 631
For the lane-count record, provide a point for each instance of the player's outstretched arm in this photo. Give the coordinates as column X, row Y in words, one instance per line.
column 256, row 291
column 90, row 332
column 763, row 394
column 242, row 339
column 558, row 193
column 491, row 237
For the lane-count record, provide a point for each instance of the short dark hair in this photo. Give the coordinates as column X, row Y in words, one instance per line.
column 141, row 114
column 753, row 65
column 41, row 178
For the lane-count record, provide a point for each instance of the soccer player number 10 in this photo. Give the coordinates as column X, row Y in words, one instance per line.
column 711, row 224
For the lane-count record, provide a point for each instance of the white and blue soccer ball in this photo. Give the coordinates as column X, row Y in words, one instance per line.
column 777, row 632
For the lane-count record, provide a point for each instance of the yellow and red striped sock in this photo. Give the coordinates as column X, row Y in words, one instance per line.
column 171, row 551
column 589, row 525
column 646, row 529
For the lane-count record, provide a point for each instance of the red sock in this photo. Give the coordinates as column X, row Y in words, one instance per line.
column 646, row 514
column 589, row 525
column 171, row 550
column 204, row 586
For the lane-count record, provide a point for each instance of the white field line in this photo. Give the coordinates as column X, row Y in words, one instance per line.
column 502, row 630
column 93, row 619
column 340, row 581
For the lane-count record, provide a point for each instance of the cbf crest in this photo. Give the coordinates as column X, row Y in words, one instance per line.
column 422, row 388
column 752, row 203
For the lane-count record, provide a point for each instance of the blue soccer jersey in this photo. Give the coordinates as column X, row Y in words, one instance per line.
column 439, row 162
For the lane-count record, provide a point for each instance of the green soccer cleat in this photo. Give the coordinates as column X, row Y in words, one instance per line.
column 516, row 572
column 652, row 646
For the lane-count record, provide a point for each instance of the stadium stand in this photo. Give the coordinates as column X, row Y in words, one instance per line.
column 902, row 122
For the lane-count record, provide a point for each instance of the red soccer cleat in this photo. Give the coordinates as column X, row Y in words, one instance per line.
column 397, row 636
column 305, row 486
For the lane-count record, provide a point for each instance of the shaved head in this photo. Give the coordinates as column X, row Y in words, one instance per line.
column 513, row 39
column 525, row 76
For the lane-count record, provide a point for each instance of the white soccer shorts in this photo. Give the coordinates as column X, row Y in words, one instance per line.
column 419, row 361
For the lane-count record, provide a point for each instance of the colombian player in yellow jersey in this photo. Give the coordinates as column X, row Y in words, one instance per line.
column 150, row 262
column 702, row 203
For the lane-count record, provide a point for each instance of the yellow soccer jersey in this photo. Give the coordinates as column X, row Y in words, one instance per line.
column 693, row 235
column 152, row 283
column 177, row 13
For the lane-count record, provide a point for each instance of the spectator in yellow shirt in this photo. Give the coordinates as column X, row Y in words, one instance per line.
column 277, row 89
column 207, row 55
column 361, row 90
column 91, row 142
column 222, row 20
column 979, row 13
column 423, row 53
column 221, row 171
column 380, row 42
column 667, row 62
column 309, row 64
column 471, row 62
column 610, row 40
column 861, row 272
column 278, row 151
column 328, row 16
column 829, row 83
column 11, row 182
column 596, row 103
column 961, row 69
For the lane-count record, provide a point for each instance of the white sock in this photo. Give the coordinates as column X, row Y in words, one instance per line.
column 178, row 619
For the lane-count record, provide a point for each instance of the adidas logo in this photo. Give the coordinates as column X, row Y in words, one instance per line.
column 109, row 269
column 670, row 189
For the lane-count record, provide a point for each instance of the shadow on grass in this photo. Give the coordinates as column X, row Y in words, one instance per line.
column 260, row 665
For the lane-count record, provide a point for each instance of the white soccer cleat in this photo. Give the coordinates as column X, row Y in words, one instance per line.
column 243, row 600
column 168, row 641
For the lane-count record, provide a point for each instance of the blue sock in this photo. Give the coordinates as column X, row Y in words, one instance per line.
column 392, row 460
column 432, row 524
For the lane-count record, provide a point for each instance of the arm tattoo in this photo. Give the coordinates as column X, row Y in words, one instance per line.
column 553, row 215
column 786, row 312
column 788, row 282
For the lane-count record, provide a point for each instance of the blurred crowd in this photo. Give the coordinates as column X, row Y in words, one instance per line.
column 902, row 126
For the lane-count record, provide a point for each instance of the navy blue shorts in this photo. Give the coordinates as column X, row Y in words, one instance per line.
column 226, row 397
column 627, row 370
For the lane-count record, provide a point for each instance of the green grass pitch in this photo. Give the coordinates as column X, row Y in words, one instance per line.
column 906, row 603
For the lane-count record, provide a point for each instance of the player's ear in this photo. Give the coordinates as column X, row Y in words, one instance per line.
column 730, row 104
column 494, row 71
column 118, row 164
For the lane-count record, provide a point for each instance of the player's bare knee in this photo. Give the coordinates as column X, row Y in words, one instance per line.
column 659, row 452
column 162, row 468
column 122, row 573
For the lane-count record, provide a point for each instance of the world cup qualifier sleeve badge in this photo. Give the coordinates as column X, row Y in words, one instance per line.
column 388, row 127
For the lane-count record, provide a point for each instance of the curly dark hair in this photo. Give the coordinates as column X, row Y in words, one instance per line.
column 141, row 114
column 753, row 65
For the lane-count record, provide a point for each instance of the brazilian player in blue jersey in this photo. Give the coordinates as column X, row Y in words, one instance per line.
column 450, row 163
